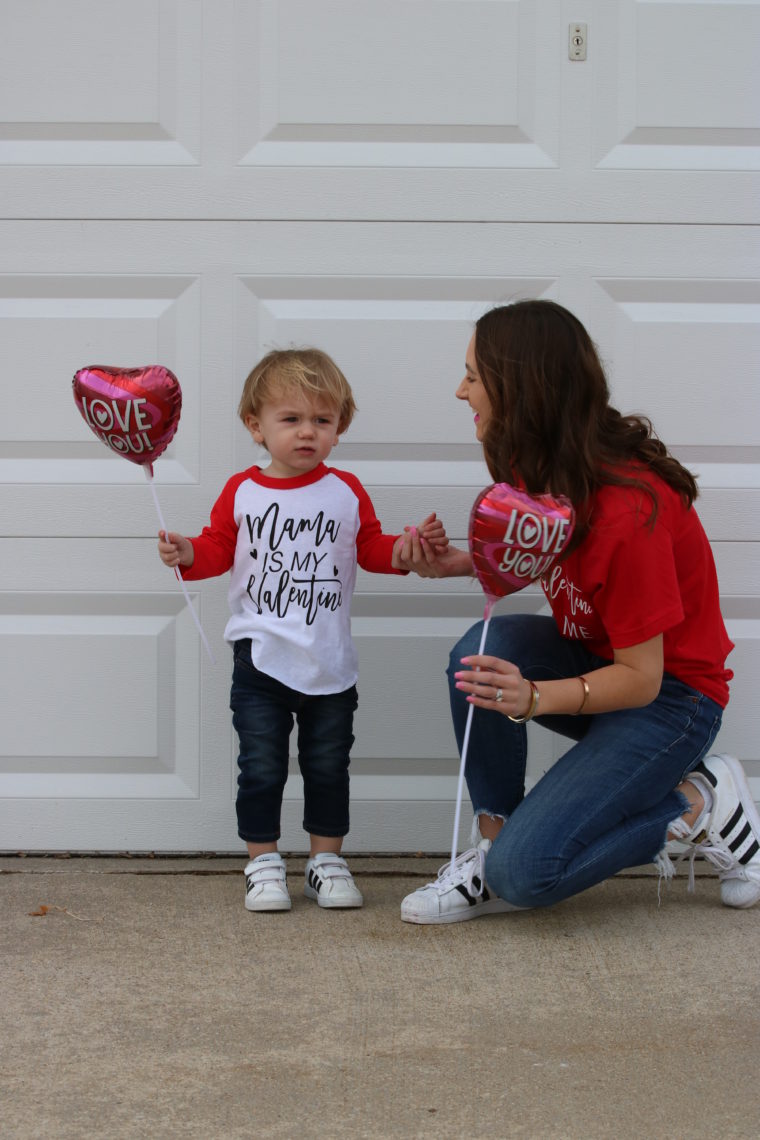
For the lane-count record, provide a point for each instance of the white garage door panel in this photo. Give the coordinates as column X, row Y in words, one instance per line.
column 398, row 340
column 81, row 84
column 113, row 709
column 690, row 349
column 393, row 94
column 53, row 325
column 438, row 109
column 371, row 178
column 707, row 114
column 728, row 512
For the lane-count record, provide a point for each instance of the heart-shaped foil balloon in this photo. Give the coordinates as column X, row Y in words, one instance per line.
column 515, row 538
column 134, row 411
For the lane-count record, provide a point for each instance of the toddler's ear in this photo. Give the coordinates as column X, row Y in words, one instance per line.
column 254, row 427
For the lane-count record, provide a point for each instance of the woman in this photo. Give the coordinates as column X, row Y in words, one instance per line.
column 630, row 666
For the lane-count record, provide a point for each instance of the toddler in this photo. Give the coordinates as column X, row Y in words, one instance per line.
column 291, row 533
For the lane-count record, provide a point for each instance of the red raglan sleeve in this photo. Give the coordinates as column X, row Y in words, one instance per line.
column 373, row 548
column 215, row 546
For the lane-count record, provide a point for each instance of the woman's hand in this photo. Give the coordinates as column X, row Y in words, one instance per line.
column 414, row 553
column 490, row 683
column 632, row 680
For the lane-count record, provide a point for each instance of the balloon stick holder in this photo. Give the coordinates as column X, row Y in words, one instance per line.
column 178, row 576
column 465, row 743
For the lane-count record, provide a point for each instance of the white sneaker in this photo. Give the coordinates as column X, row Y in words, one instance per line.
column 458, row 894
column 265, row 885
column 730, row 837
column 329, row 881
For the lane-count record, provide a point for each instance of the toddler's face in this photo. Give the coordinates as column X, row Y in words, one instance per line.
column 298, row 431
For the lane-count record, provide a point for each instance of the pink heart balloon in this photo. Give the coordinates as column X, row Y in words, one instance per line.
column 515, row 538
column 134, row 411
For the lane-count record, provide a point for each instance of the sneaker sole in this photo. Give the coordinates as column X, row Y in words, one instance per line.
column 331, row 904
column 276, row 905
column 496, row 906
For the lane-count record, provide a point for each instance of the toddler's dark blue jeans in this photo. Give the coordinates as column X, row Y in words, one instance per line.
column 263, row 712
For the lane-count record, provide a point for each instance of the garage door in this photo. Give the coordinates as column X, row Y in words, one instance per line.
column 192, row 183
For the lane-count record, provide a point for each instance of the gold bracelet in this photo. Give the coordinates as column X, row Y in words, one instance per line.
column 534, row 695
column 582, row 705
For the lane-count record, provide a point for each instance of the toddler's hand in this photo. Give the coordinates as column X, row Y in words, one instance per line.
column 174, row 549
column 432, row 530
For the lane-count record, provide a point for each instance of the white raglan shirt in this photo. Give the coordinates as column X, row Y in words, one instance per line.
column 292, row 546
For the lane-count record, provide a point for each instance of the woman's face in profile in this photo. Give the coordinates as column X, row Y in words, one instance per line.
column 473, row 391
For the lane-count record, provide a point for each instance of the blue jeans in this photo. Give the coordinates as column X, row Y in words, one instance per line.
column 263, row 711
column 603, row 806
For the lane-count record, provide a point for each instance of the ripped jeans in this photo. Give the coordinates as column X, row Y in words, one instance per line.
column 607, row 802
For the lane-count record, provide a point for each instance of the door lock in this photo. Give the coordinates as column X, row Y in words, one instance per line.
column 577, row 40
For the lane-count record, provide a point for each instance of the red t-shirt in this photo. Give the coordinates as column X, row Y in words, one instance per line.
column 628, row 582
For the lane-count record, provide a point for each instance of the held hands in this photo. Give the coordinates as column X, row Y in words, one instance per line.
column 432, row 532
column 425, row 550
column 174, row 549
column 490, row 683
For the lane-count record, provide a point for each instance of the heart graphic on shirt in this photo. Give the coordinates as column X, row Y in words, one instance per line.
column 515, row 538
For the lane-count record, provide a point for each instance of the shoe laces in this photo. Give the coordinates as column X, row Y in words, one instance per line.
column 715, row 851
column 722, row 857
column 466, row 868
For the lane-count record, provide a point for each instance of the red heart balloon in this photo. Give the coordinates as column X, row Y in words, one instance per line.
column 134, row 411
column 515, row 538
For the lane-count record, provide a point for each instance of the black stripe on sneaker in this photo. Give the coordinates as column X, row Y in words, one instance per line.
column 466, row 894
column 315, row 881
column 482, row 888
column 735, row 844
column 733, row 821
column 708, row 775
column 750, row 853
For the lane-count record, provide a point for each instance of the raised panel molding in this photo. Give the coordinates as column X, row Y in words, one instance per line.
column 113, row 710
column 689, row 351
column 682, row 76
column 393, row 337
column 437, row 110
column 54, row 325
column 386, row 98
column 82, row 83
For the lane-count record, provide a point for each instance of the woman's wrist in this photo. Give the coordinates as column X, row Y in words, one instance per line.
column 584, row 696
column 532, row 706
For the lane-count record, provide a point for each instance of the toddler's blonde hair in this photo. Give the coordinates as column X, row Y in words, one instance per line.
column 303, row 371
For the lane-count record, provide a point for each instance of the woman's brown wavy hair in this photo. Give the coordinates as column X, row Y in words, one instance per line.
column 551, row 424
